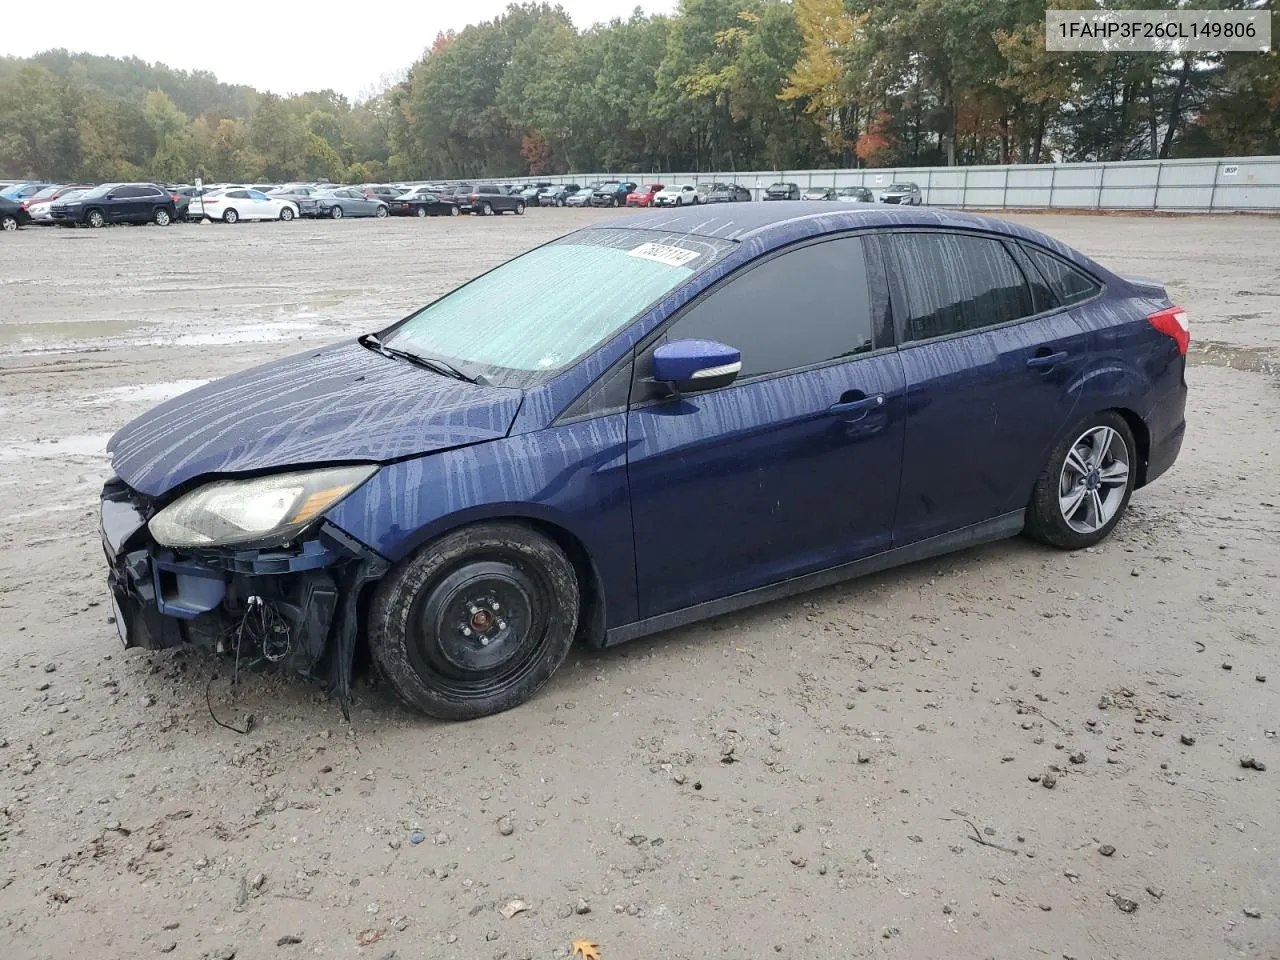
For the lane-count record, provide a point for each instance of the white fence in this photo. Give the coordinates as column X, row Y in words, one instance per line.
column 1228, row 184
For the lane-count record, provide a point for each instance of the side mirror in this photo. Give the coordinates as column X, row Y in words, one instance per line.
column 687, row 366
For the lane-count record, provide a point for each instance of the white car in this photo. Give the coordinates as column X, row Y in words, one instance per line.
column 237, row 204
column 677, row 195
column 40, row 210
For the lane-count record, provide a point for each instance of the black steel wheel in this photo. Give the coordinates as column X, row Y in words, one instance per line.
column 476, row 622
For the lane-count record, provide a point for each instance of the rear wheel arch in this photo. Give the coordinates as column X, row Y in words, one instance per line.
column 1141, row 437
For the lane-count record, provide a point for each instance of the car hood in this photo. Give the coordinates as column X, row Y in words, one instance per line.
column 341, row 403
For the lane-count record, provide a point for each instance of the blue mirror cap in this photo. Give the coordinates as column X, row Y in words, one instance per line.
column 685, row 360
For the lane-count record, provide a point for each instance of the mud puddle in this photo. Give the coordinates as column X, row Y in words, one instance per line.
column 1216, row 354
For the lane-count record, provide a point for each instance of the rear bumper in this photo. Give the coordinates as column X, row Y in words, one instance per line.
column 295, row 607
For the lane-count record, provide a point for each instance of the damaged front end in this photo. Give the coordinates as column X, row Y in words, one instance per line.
column 293, row 604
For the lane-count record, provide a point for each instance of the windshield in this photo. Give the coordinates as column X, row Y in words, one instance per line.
column 901, row 187
column 779, row 186
column 72, row 194
column 537, row 314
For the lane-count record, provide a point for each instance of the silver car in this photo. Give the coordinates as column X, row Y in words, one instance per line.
column 348, row 202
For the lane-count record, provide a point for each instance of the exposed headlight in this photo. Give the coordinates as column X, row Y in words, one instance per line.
column 272, row 508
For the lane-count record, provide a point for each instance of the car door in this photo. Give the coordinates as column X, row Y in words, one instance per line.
column 793, row 467
column 122, row 204
column 992, row 378
column 264, row 208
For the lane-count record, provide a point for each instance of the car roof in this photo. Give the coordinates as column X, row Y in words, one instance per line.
column 772, row 224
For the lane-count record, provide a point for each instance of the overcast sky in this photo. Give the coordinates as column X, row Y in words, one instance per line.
column 286, row 46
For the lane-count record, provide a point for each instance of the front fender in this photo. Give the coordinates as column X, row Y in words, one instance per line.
column 572, row 477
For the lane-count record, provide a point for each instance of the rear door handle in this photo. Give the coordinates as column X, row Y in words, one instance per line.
column 1047, row 360
column 863, row 406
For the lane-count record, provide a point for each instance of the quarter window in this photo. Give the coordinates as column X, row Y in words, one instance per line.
column 956, row 284
column 1069, row 284
column 801, row 308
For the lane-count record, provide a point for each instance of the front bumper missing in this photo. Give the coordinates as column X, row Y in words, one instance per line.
column 296, row 606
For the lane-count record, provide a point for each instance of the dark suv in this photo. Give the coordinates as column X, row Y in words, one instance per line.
column 611, row 193
column 116, row 203
column 489, row 198
column 782, row 191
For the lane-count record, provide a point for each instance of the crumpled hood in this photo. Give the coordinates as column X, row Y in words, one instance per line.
column 339, row 403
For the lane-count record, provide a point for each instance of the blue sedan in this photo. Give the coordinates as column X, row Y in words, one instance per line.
column 757, row 403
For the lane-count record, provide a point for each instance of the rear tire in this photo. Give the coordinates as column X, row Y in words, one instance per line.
column 486, row 210
column 1085, row 488
column 475, row 622
column 454, row 211
column 520, row 209
column 162, row 218
column 9, row 224
column 420, row 212
column 230, row 216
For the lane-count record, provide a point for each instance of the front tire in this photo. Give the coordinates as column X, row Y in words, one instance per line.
column 475, row 622
column 380, row 213
column 95, row 219
column 1085, row 488
column 286, row 214
column 520, row 209
column 335, row 213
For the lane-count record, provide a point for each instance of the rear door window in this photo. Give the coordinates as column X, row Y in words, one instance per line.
column 956, row 284
column 1068, row 284
column 804, row 307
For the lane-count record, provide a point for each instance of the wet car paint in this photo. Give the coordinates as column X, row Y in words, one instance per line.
column 528, row 459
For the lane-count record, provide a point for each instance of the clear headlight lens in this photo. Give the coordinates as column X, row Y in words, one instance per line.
column 272, row 508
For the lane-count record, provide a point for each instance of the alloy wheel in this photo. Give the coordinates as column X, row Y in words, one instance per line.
column 1094, row 479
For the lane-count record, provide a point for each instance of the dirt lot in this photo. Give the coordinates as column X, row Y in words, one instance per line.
column 892, row 738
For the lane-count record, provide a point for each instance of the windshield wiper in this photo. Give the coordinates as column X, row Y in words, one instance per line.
column 434, row 364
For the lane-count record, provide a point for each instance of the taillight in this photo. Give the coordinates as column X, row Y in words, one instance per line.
column 474, row 196
column 1172, row 322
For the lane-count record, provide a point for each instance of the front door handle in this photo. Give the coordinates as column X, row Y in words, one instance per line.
column 859, row 408
column 1046, row 360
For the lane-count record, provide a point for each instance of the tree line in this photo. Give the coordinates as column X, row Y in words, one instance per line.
column 719, row 85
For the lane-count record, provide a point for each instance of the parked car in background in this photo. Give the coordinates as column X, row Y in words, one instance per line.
column 348, row 202
column 417, row 204
column 580, row 198
column 52, row 192
column 511, row 468
column 532, row 194
column 782, row 191
column 116, row 203
column 487, row 199
column 611, row 193
column 677, row 195
column 12, row 215
column 381, row 191
column 855, row 195
column 906, row 194
column 232, row 206
column 728, row 193
column 41, row 211
column 819, row 193
column 21, row 191
column 642, row 196
column 301, row 195
column 556, row 194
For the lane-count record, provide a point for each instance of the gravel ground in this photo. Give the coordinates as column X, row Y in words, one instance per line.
column 1008, row 752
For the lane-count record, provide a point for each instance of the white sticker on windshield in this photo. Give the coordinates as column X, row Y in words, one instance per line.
column 663, row 253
